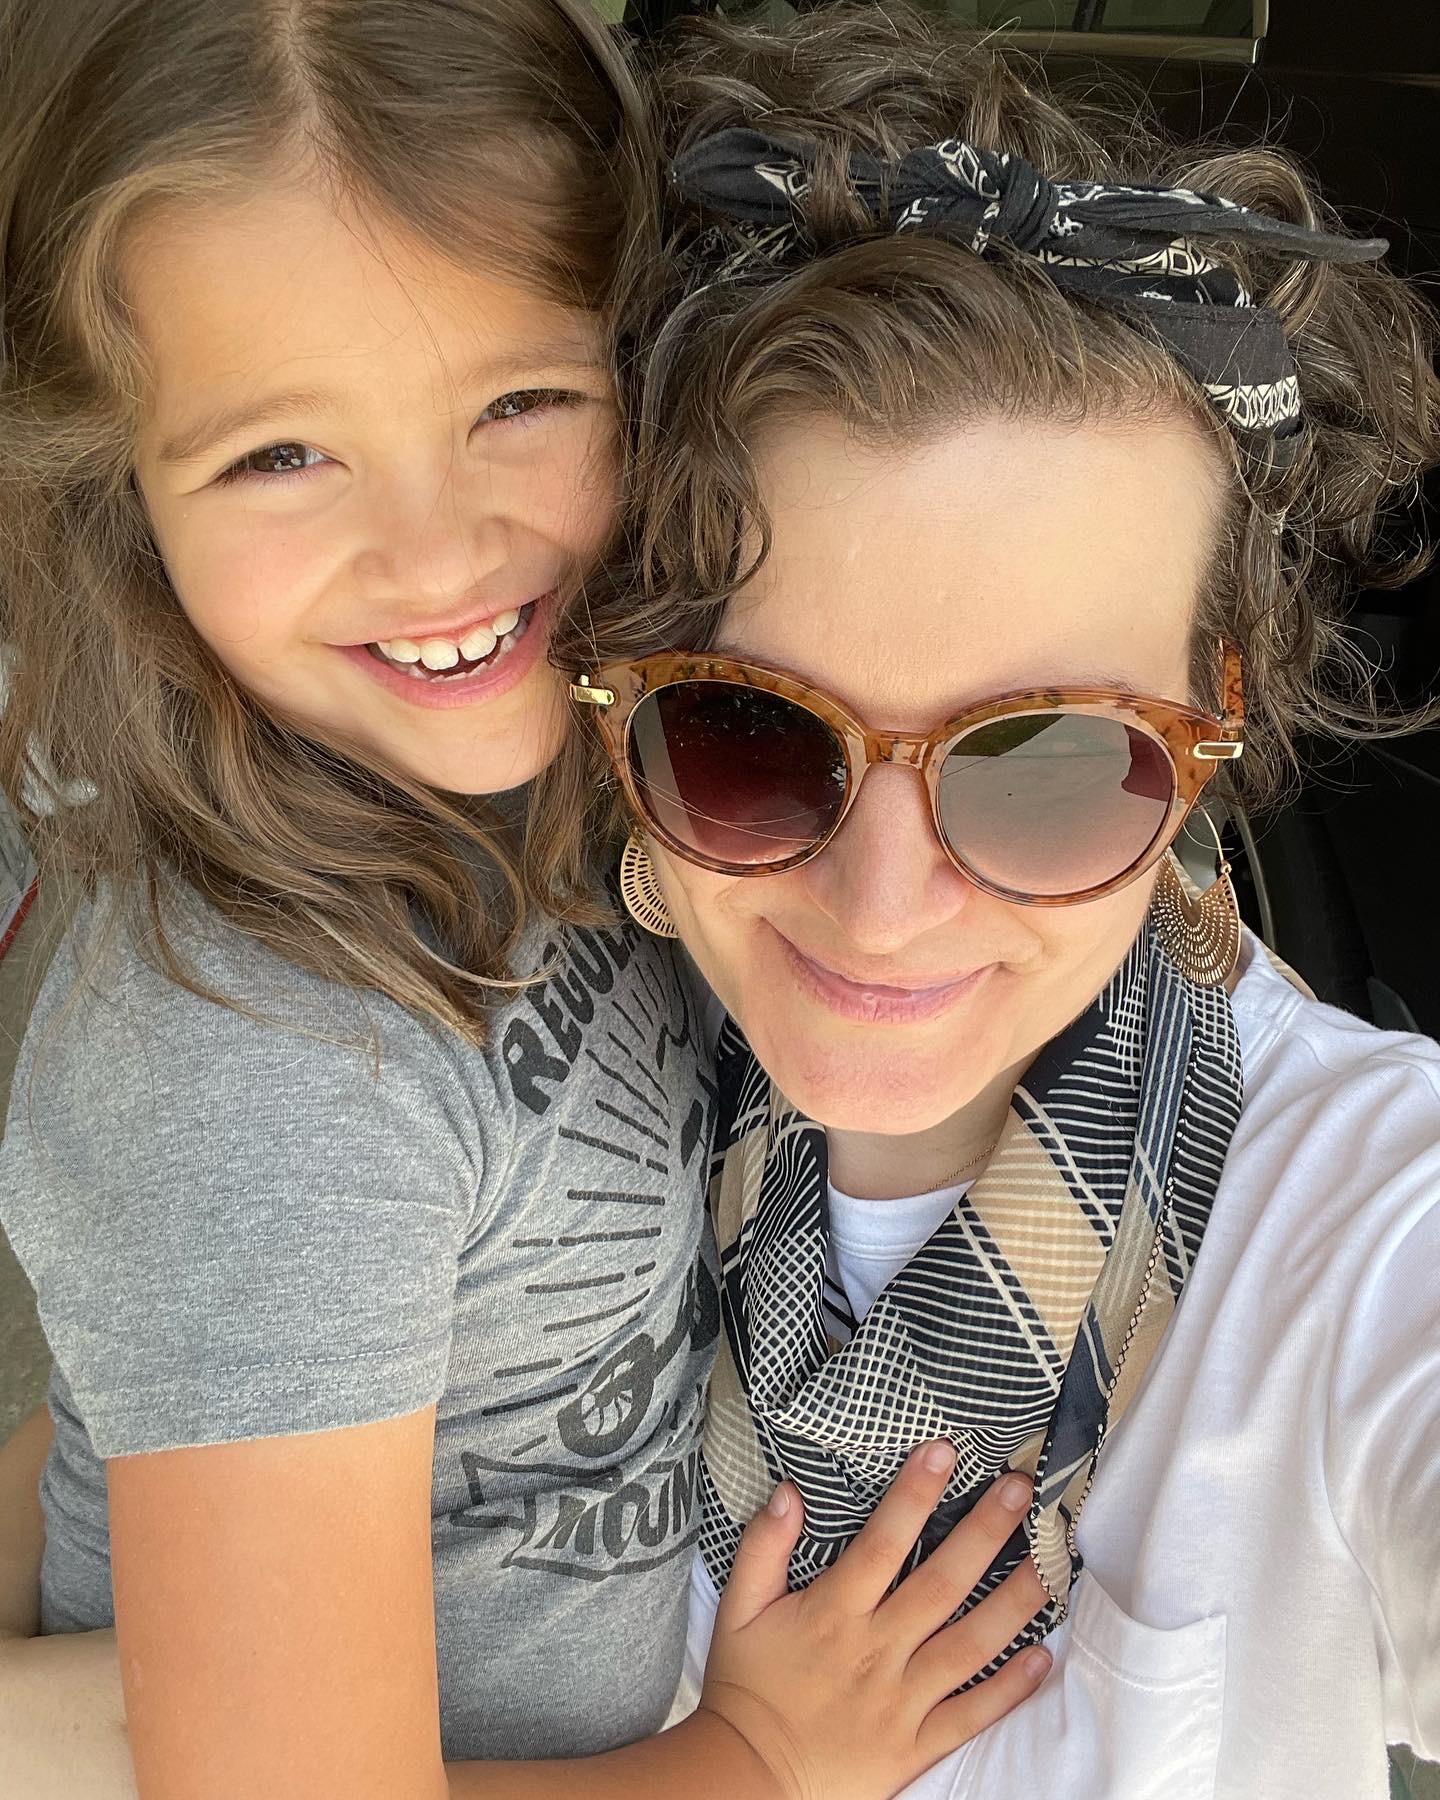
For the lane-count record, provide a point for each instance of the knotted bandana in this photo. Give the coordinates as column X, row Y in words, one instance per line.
column 1131, row 247
column 1019, row 1332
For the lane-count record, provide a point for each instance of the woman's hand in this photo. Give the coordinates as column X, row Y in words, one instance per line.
column 846, row 1691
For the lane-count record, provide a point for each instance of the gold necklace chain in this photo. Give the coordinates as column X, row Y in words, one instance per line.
column 980, row 1156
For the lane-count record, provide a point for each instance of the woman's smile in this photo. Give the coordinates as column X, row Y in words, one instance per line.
column 901, row 1000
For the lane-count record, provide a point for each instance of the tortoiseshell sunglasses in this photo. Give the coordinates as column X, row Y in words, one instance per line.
column 1047, row 797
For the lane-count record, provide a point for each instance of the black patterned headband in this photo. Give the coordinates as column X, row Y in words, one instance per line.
column 1131, row 247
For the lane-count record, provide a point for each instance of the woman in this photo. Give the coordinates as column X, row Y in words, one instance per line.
column 1002, row 483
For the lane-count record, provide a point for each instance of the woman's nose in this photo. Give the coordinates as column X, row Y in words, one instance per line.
column 885, row 879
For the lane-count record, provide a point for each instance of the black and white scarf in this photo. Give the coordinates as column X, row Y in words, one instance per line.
column 1019, row 1332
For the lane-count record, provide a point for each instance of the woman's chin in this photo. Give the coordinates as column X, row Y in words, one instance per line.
column 872, row 1087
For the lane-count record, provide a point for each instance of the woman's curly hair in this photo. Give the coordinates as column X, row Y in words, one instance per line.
column 901, row 335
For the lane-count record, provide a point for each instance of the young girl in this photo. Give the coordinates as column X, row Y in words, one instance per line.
column 363, row 1215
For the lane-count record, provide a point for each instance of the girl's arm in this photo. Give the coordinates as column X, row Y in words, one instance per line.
column 22, row 1525
column 277, row 1640
column 62, row 1716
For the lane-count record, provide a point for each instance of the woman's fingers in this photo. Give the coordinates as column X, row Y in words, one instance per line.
column 960, row 1651
column 862, row 1576
column 936, row 1590
column 964, row 1716
column 762, row 1559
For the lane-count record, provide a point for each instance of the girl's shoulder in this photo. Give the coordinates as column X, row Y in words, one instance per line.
column 126, row 1010
column 600, row 1004
column 210, row 1062
column 122, row 1054
column 252, row 1216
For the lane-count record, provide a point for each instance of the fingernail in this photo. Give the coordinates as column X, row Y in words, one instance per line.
column 780, row 1501
column 1035, row 1663
column 1014, row 1493
column 939, row 1457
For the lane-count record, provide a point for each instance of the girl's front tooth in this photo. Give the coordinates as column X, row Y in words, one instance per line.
column 503, row 622
column 477, row 643
column 435, row 653
column 404, row 650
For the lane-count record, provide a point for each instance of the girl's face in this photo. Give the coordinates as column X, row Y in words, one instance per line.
column 881, row 989
column 368, row 471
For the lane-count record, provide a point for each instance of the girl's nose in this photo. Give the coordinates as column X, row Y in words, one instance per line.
column 430, row 543
column 885, row 879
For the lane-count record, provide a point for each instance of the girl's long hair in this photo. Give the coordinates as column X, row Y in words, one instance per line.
column 510, row 135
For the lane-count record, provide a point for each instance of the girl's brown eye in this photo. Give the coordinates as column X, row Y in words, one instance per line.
column 527, row 400
column 275, row 459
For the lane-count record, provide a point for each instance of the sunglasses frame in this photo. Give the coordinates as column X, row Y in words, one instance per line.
column 1193, row 741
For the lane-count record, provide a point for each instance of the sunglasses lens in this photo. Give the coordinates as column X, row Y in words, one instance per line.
column 738, row 775
column 1052, row 804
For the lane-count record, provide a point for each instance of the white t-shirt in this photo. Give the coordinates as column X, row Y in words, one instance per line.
column 1259, row 1612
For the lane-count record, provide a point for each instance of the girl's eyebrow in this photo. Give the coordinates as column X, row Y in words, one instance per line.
column 192, row 441
column 546, row 362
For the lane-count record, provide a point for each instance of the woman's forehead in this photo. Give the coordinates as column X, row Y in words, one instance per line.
column 1012, row 553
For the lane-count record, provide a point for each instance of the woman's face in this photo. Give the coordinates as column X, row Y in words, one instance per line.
column 881, row 989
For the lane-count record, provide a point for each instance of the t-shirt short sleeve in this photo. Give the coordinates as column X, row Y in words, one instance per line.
column 237, row 1226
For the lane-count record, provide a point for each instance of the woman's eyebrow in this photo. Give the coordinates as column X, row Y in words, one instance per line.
column 1105, row 680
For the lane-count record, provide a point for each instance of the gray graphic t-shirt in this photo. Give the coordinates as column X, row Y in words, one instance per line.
column 240, row 1229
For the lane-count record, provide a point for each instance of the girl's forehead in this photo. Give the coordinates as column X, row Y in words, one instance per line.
column 281, row 286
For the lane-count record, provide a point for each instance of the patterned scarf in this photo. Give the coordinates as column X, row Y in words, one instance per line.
column 1020, row 1331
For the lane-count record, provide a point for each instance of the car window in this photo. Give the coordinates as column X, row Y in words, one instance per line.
column 1170, row 18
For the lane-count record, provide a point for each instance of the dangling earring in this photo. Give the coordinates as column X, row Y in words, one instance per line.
column 641, row 891
column 1199, row 931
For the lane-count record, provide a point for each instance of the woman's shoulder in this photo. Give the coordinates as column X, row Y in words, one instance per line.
column 1294, row 1045
column 1340, row 1128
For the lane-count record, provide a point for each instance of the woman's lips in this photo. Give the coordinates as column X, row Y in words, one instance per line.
column 874, row 1002
column 487, row 683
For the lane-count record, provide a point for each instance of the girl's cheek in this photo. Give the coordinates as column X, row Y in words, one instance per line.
column 585, row 490
column 247, row 589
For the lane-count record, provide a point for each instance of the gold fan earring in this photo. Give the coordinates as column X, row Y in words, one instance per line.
column 1200, row 931
column 640, row 890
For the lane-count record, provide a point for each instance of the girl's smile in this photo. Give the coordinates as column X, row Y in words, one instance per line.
column 459, row 667
column 369, row 507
